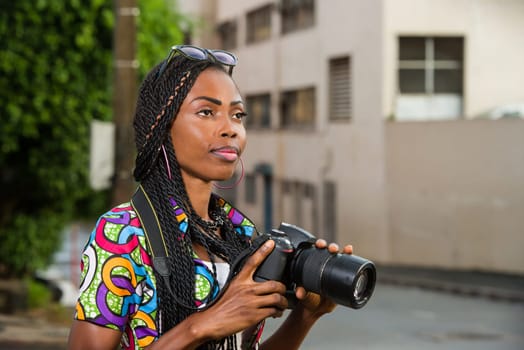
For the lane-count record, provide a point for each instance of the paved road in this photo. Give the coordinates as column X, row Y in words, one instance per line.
column 397, row 317
column 407, row 318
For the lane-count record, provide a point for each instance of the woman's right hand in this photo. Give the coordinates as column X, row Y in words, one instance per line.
column 245, row 302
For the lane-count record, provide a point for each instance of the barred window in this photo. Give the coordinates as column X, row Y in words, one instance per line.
column 259, row 24
column 340, row 88
column 297, row 14
column 298, row 108
column 430, row 78
column 430, row 64
column 258, row 110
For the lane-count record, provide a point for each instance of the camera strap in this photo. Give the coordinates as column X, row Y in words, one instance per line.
column 153, row 232
column 143, row 207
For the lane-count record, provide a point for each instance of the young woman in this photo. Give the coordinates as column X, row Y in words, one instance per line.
column 189, row 133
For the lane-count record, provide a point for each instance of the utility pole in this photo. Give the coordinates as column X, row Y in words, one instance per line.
column 124, row 97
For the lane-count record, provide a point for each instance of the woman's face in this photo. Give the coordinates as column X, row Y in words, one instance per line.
column 208, row 133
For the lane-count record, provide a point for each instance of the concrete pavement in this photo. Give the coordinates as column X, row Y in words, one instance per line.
column 496, row 286
column 25, row 332
column 29, row 332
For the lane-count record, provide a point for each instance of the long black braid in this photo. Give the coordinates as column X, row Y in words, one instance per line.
column 159, row 101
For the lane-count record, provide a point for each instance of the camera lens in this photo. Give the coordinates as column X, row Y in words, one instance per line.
column 346, row 279
column 360, row 285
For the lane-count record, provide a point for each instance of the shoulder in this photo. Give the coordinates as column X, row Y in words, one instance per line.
column 123, row 214
column 117, row 287
column 118, row 230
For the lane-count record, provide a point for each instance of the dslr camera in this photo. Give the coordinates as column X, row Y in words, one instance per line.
column 348, row 280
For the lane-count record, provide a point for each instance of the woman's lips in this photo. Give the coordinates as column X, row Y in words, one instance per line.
column 227, row 153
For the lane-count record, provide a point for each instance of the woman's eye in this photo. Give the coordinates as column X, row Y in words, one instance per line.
column 240, row 115
column 205, row 112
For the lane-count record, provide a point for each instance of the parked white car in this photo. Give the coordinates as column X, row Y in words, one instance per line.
column 62, row 276
column 507, row 111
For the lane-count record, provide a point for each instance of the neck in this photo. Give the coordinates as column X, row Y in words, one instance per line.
column 199, row 193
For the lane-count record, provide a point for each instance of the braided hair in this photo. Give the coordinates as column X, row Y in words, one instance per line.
column 159, row 101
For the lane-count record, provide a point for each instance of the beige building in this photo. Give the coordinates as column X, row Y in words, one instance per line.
column 364, row 123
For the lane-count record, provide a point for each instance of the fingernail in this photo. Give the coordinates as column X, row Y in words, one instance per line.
column 266, row 245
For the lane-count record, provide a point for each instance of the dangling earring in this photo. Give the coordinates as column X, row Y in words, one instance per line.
column 236, row 182
column 167, row 162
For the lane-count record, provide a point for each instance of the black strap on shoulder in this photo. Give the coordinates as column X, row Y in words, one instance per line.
column 149, row 220
column 151, row 226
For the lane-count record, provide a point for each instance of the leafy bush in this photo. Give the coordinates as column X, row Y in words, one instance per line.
column 55, row 77
column 55, row 69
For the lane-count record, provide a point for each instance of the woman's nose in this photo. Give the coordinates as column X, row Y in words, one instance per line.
column 228, row 127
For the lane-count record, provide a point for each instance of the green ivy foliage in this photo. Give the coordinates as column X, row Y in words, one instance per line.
column 55, row 77
column 55, row 66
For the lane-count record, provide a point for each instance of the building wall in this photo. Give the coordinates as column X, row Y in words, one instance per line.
column 456, row 194
column 442, row 194
column 456, row 188
column 348, row 153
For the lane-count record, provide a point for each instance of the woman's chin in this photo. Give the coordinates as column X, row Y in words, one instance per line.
column 226, row 180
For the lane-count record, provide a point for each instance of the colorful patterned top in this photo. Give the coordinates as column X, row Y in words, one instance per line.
column 118, row 286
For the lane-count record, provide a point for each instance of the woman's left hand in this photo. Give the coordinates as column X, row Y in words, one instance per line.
column 315, row 304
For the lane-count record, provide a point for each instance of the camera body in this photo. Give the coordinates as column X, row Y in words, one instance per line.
column 348, row 280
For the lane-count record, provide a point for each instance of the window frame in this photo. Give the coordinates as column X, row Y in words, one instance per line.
column 297, row 15
column 258, row 24
column 429, row 65
column 290, row 108
column 253, row 121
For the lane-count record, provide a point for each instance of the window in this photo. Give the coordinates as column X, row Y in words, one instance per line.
column 227, row 32
column 258, row 111
column 259, row 24
column 298, row 108
column 430, row 65
column 297, row 14
column 339, row 88
column 430, row 77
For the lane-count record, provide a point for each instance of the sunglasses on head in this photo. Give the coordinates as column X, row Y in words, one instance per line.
column 200, row 54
